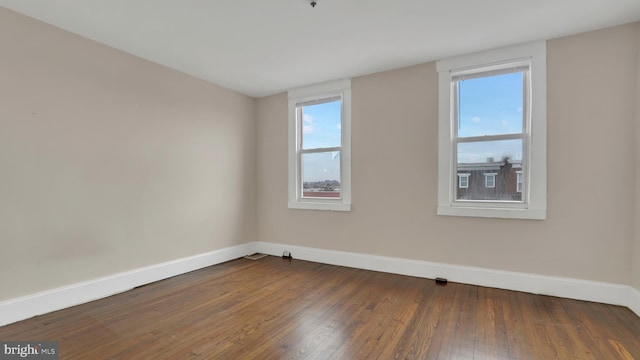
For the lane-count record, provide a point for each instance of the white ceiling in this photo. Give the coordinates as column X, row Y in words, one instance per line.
column 268, row 46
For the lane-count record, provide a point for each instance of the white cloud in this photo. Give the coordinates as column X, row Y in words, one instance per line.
column 475, row 119
column 307, row 124
column 339, row 126
column 505, row 122
column 519, row 109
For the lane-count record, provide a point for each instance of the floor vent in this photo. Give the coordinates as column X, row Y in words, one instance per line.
column 255, row 256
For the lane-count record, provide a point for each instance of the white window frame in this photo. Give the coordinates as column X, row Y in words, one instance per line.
column 491, row 176
column 534, row 205
column 519, row 181
column 466, row 176
column 297, row 96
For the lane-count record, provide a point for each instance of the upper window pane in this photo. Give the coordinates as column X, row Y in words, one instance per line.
column 490, row 105
column 322, row 124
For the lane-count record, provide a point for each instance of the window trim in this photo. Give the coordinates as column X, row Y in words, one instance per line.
column 486, row 180
column 535, row 206
column 296, row 96
column 466, row 176
column 519, row 183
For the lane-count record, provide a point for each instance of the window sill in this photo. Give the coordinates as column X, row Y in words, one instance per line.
column 486, row 212
column 320, row 206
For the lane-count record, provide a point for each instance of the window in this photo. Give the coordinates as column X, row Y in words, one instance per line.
column 463, row 181
column 493, row 123
column 319, row 147
column 490, row 180
column 519, row 181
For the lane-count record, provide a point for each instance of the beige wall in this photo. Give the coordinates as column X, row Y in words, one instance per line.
column 110, row 163
column 589, row 230
column 636, row 239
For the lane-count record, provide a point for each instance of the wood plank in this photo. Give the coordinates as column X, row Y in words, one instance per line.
column 620, row 349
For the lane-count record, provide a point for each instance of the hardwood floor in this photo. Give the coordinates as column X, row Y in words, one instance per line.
column 278, row 309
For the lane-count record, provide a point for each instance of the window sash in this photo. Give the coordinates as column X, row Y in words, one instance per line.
column 318, row 101
column 523, row 66
column 463, row 181
column 300, row 118
column 480, row 73
column 301, row 151
column 508, row 67
column 302, row 179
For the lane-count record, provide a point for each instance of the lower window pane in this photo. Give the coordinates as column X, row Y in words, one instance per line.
column 492, row 169
column 321, row 175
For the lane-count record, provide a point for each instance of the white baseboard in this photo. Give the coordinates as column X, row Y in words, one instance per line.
column 601, row 292
column 21, row 308
column 634, row 300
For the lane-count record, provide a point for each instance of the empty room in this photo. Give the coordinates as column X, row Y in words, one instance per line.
column 299, row 179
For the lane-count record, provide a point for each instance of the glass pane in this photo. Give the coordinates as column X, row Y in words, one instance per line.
column 322, row 125
column 491, row 105
column 493, row 168
column 321, row 174
column 463, row 180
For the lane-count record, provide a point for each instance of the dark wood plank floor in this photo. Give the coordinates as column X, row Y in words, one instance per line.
column 275, row 309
